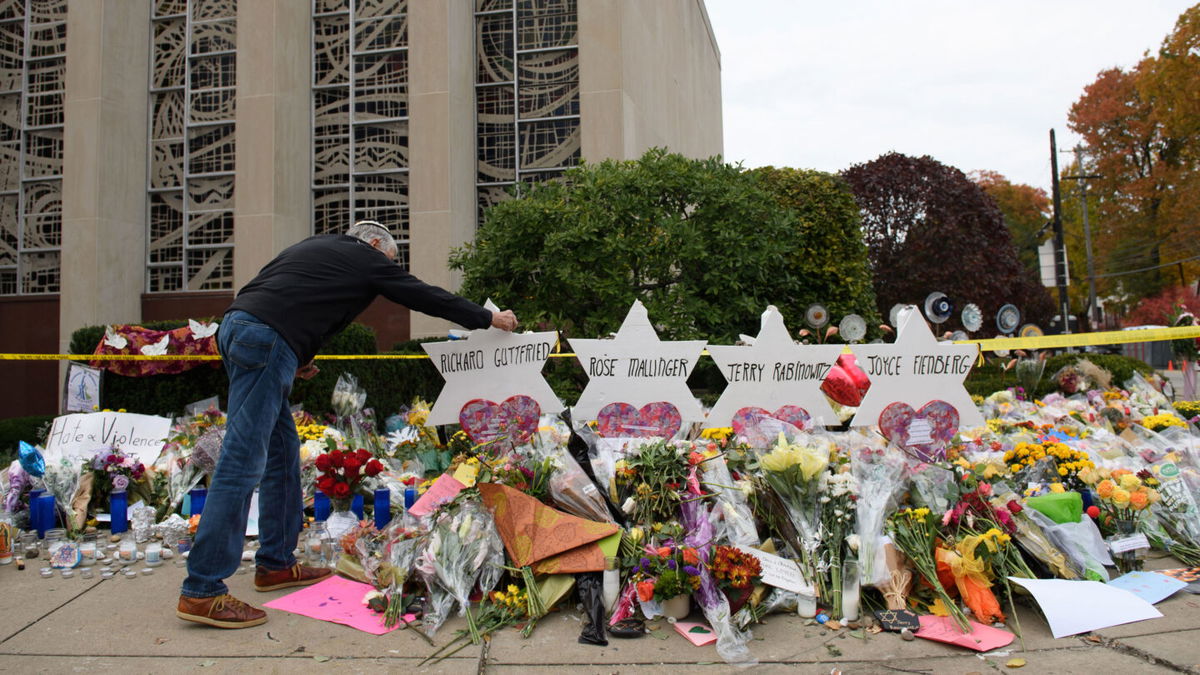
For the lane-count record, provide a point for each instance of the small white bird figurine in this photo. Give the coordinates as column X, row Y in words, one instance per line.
column 158, row 348
column 203, row 330
column 112, row 339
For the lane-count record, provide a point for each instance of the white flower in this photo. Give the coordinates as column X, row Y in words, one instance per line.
column 853, row 542
column 629, row 506
column 371, row 595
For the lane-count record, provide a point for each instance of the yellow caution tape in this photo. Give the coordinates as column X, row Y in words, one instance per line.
column 995, row 344
column 1110, row 337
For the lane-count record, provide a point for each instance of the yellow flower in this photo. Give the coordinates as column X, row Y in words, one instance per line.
column 1057, row 488
column 1105, row 488
column 1130, row 481
column 1062, row 471
column 1120, row 497
column 717, row 433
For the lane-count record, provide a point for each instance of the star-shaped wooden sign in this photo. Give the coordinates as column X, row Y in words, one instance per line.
column 917, row 393
column 637, row 368
column 491, row 365
column 773, row 375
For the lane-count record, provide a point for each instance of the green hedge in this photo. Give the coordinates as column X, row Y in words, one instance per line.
column 16, row 429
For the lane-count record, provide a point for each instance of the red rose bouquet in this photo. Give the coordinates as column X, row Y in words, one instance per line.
column 342, row 472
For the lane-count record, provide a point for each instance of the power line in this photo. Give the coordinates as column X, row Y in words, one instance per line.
column 1147, row 269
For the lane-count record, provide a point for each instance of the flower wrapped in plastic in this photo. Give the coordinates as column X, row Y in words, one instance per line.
column 462, row 539
column 569, row 487
column 793, row 470
column 731, row 641
column 880, row 478
column 61, row 479
column 731, row 512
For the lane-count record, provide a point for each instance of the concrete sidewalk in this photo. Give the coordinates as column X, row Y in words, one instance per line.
column 129, row 626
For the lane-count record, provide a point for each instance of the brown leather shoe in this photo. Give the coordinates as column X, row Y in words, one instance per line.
column 296, row 575
column 222, row 611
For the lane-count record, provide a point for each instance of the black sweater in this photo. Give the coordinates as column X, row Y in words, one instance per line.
column 315, row 288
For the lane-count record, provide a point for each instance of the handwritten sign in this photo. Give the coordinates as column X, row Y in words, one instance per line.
column 637, row 368
column 780, row 572
column 79, row 436
column 773, row 372
column 491, row 364
column 915, row 370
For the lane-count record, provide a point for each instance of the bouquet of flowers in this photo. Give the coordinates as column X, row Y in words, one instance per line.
column 1123, row 498
column 114, row 471
column 356, row 423
column 665, row 572
column 879, row 475
column 793, row 470
column 462, row 539
column 735, row 572
column 650, row 483
column 1058, row 461
column 342, row 472
column 914, row 533
column 191, row 454
column 840, row 490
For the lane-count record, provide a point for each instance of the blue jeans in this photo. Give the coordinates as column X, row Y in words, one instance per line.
column 261, row 449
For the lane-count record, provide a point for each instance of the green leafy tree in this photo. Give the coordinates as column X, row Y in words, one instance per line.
column 704, row 245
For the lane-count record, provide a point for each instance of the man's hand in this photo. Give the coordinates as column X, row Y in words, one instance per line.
column 307, row 372
column 505, row 320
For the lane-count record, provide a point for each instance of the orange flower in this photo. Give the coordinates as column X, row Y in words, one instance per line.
column 1105, row 488
column 645, row 591
column 1139, row 500
column 690, row 557
column 664, row 551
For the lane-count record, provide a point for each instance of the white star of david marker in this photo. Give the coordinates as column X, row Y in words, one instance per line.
column 773, row 372
column 637, row 368
column 491, row 364
column 916, row 369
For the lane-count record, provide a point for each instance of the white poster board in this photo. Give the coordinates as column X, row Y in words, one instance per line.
column 79, row 436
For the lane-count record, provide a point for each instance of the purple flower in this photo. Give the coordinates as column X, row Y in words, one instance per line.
column 691, row 571
column 120, row 482
column 671, row 564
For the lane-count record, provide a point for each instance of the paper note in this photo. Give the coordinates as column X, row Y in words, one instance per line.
column 1149, row 586
column 252, row 517
column 1073, row 607
column 697, row 633
column 780, row 572
column 444, row 489
column 465, row 474
column 337, row 600
column 981, row 638
column 1131, row 543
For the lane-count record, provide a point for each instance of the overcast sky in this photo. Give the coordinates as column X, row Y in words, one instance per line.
column 977, row 85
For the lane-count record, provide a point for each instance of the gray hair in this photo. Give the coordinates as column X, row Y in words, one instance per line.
column 368, row 230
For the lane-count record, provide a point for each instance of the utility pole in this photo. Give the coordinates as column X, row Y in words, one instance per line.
column 1060, row 257
column 1093, row 309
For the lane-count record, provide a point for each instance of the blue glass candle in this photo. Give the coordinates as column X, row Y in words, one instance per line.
column 357, row 506
column 198, row 496
column 320, row 506
column 410, row 497
column 383, row 508
column 34, row 510
column 44, row 508
column 117, row 505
